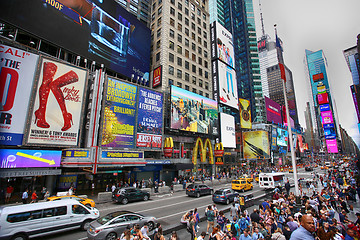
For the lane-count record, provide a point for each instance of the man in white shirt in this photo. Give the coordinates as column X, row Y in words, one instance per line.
column 145, row 230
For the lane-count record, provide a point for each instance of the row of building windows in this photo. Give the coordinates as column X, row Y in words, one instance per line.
column 179, row 74
column 187, row 87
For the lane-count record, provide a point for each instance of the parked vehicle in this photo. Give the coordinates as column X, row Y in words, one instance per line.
column 241, row 185
column 25, row 221
column 308, row 169
column 84, row 200
column 271, row 180
column 197, row 190
column 224, row 195
column 129, row 194
column 110, row 226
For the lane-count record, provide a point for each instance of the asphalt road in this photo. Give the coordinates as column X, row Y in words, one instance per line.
column 167, row 208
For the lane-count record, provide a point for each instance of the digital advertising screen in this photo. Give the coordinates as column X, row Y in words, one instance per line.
column 119, row 114
column 322, row 98
column 245, row 113
column 355, row 91
column 256, row 144
column 321, row 89
column 227, row 123
column 57, row 113
column 150, row 119
column 301, row 143
column 193, row 112
column 318, row 77
column 326, row 117
column 329, row 133
column 274, row 138
column 282, row 137
column 328, row 125
column 101, row 31
column 157, row 77
column 16, row 80
column 22, row 158
column 273, row 111
column 324, row 107
column 332, row 146
column 222, row 44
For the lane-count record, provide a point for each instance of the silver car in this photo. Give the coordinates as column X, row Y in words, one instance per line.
column 112, row 225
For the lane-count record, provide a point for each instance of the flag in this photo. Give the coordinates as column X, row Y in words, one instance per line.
column 282, row 71
column 278, row 43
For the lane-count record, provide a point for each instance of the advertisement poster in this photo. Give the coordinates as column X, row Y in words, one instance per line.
column 22, row 158
column 282, row 137
column 17, row 69
column 119, row 115
column 329, row 133
column 67, row 181
column 274, row 138
column 256, row 145
column 56, row 115
column 332, row 146
column 324, row 107
column 228, row 93
column 326, row 117
column 301, row 144
column 150, row 119
column 193, row 112
column 101, row 31
column 157, row 75
column 273, row 111
column 228, row 138
column 245, row 113
column 322, row 98
column 222, row 44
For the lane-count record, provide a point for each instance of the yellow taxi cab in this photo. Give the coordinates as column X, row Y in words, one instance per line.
column 250, row 179
column 257, row 179
column 86, row 201
column 241, row 184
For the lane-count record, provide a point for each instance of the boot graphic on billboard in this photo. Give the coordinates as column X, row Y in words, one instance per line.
column 54, row 85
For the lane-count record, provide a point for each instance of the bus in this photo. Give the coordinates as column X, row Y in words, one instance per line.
column 271, row 180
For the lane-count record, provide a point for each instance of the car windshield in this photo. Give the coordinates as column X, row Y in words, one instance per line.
column 109, row 217
column 219, row 192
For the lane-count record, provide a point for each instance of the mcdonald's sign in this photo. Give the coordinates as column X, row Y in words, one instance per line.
column 203, row 151
column 157, row 75
column 218, row 150
column 168, row 147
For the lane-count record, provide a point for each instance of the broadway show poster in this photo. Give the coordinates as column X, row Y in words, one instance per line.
column 150, row 119
column 119, row 115
column 56, row 116
column 17, row 69
column 256, row 145
column 245, row 113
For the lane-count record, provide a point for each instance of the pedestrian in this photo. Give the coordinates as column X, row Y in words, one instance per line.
column 306, row 229
column 277, row 235
column 202, row 236
column 25, row 196
column 245, row 235
column 9, row 191
column 174, row 236
column 287, row 187
column 71, row 191
column 197, row 219
column 107, row 188
column 210, row 217
column 191, row 227
column 257, row 234
column 113, row 188
column 145, row 231
column 46, row 195
column 43, row 191
column 221, row 220
column 34, row 197
column 92, row 188
column 159, row 234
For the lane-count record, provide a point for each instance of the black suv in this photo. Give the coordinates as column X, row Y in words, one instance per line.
column 129, row 194
column 196, row 190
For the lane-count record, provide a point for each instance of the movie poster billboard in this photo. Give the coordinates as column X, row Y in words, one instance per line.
column 282, row 137
column 222, row 44
column 332, row 146
column 119, row 114
column 326, row 117
column 23, row 158
column 274, row 138
column 227, row 123
column 324, row 108
column 193, row 112
column 273, row 111
column 150, row 119
column 57, row 113
column 245, row 113
column 322, row 98
column 101, row 31
column 17, row 70
column 256, row 144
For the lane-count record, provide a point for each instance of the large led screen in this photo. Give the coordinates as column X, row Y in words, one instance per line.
column 282, row 137
column 329, row 133
column 228, row 138
column 245, row 113
column 150, row 119
column 256, row 144
column 21, row 158
column 17, row 69
column 192, row 112
column 222, row 44
column 119, row 114
column 100, row 31
column 273, row 138
column 323, row 98
column 273, row 111
column 332, row 146
column 56, row 116
column 326, row 117
column 324, row 107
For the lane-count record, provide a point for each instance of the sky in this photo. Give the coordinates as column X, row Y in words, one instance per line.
column 328, row 25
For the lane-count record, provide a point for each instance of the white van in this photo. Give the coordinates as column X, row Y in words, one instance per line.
column 328, row 164
column 25, row 221
column 271, row 180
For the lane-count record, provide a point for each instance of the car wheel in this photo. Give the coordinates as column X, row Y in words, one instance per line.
column 111, row 236
column 227, row 201
column 146, row 197
column 151, row 226
column 85, row 225
column 197, row 194
column 88, row 205
column 20, row 237
column 124, row 201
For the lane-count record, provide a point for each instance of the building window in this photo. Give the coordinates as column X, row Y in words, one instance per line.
column 159, row 21
column 187, row 87
column 171, row 82
column 206, row 85
column 179, row 73
column 193, row 16
column 153, row 7
column 193, row 68
column 200, row 92
column 205, row 44
column 207, row 95
column 192, row 7
column 193, row 46
column 187, row 65
column 179, row 61
column 180, row 16
column 179, row 27
column 187, row 12
column 187, row 31
column 193, row 36
column 193, row 26
column 199, row 40
column 200, row 60
column 159, row 2
column 158, row 44
column 180, row 6
column 200, row 71
column 194, row 80
column 186, row 21
column 205, row 64
column 198, row 12
column 172, row 1
column 187, row 77
column 194, row 90
column 204, row 25
column 158, row 57
column 187, row 43
column 199, row 30
column 205, row 54
column 158, row 32
column 179, row 49
column 186, row 53
column 171, row 33
column 179, row 84
column 172, row 11
column 171, row 45
column 206, row 75
column 171, row 57
column 159, row 10
column 199, row 21
column 204, row 16
column 187, row 2
column 200, row 83
column 179, row 38
column 193, row 57
column 171, row 70
column 199, row 50
column 205, row 34
column 172, row 22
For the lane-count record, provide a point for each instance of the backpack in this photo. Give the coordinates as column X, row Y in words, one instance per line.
column 233, row 228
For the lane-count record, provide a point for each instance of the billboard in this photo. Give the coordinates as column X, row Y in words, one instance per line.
column 17, row 69
column 193, row 112
column 282, row 137
column 273, row 138
column 329, row 133
column 322, row 98
column 245, row 113
column 356, row 98
column 101, row 31
column 301, row 143
column 222, row 44
column 157, row 77
column 324, row 107
column 332, row 146
column 21, row 158
column 326, row 117
column 57, row 113
column 150, row 119
column 318, row 77
column 119, row 115
column 225, row 77
column 273, row 111
column 256, row 144
column 228, row 138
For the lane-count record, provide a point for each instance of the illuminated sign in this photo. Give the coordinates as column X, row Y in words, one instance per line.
column 122, row 154
column 332, row 146
column 318, row 77
column 323, row 98
column 273, row 111
column 21, row 158
column 327, row 117
column 157, row 74
column 324, row 107
column 76, row 153
column 282, row 137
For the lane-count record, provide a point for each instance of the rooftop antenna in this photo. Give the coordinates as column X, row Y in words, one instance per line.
column 262, row 20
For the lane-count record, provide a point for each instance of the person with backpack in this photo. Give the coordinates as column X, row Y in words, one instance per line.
column 257, row 234
column 243, row 223
column 221, row 220
column 191, row 227
column 234, row 227
column 210, row 217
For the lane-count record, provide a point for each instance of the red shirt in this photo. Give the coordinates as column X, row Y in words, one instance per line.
column 9, row 189
column 34, row 196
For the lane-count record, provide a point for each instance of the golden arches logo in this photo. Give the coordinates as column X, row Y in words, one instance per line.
column 203, row 148
column 168, row 146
